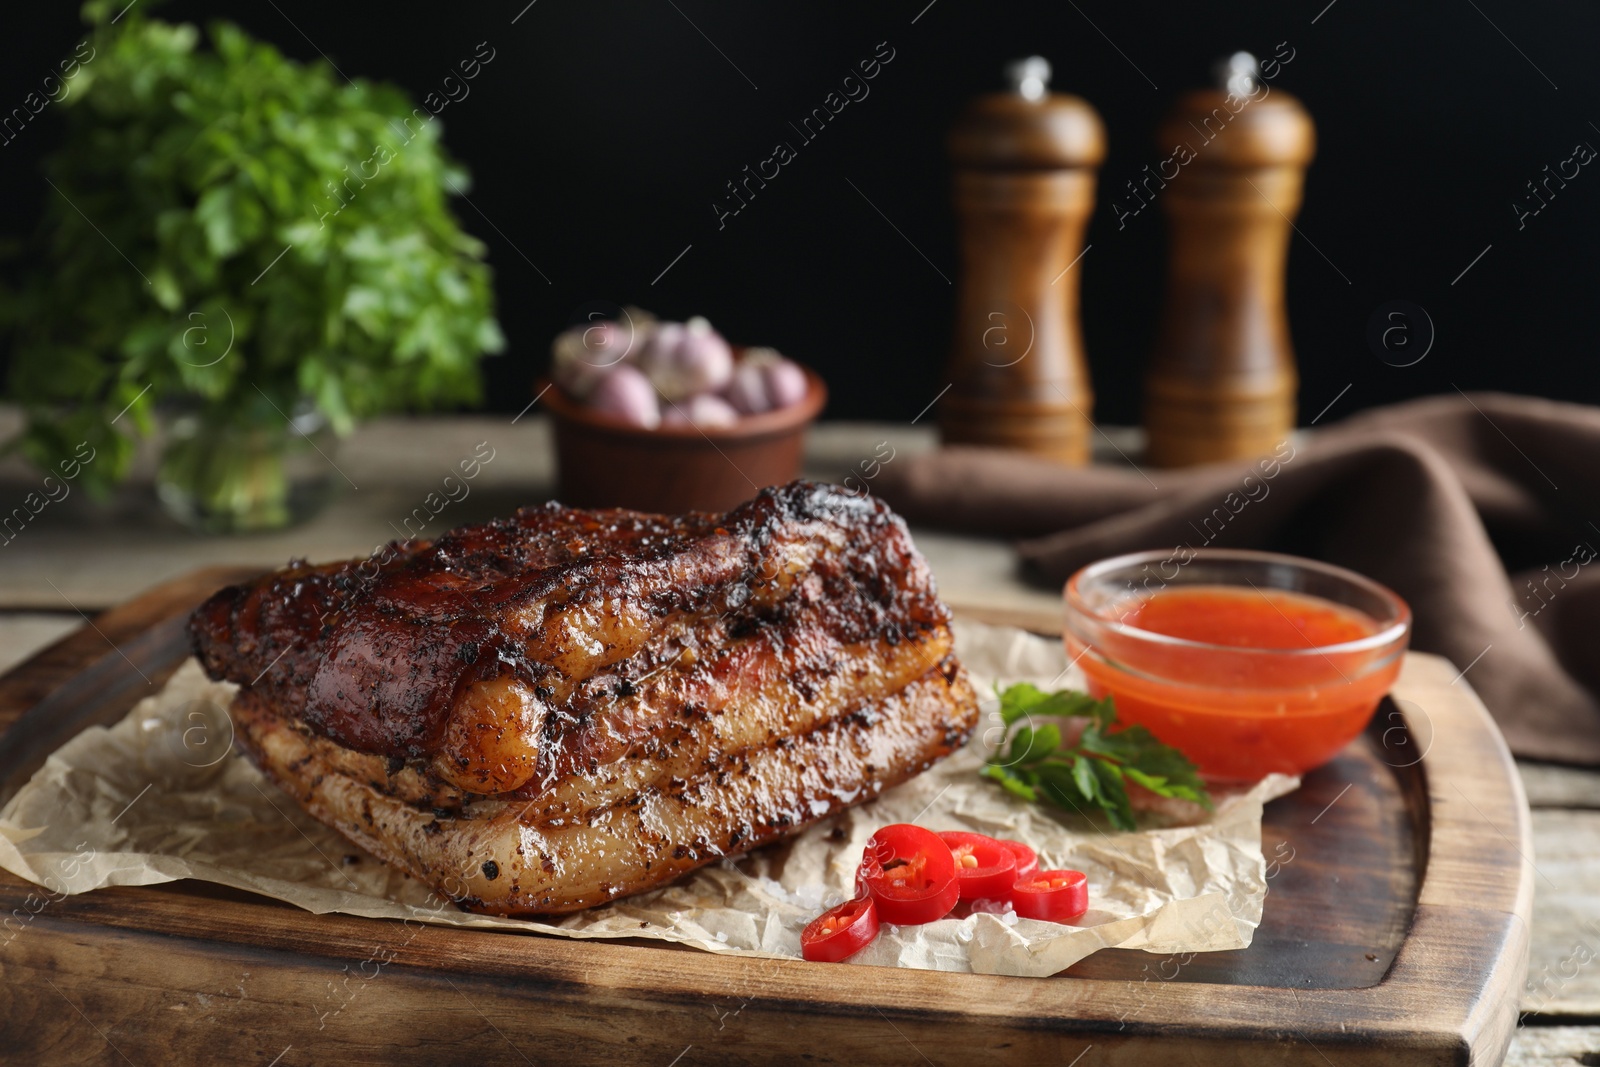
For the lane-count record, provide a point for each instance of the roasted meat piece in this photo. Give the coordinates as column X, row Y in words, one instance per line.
column 545, row 712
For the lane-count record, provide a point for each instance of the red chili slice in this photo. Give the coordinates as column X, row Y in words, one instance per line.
column 985, row 869
column 1027, row 859
column 910, row 873
column 1054, row 896
column 841, row 932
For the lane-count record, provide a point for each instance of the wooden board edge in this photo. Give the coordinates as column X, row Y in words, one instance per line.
column 1479, row 870
column 302, row 974
column 126, row 653
column 30, row 681
column 129, row 995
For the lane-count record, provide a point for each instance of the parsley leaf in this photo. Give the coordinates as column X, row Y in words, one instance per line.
column 1092, row 772
column 1024, row 699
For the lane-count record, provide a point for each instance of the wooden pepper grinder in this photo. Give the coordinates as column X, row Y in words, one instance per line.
column 1024, row 186
column 1221, row 384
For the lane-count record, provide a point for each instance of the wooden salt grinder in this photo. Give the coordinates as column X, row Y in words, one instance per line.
column 1222, row 382
column 1024, row 186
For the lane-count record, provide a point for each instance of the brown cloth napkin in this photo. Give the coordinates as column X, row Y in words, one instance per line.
column 1482, row 511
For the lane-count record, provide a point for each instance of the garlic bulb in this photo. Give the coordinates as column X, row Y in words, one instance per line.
column 585, row 354
column 705, row 410
column 625, row 392
column 764, row 381
column 682, row 360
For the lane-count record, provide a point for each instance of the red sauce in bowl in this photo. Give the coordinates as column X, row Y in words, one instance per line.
column 1258, row 679
column 1249, row 618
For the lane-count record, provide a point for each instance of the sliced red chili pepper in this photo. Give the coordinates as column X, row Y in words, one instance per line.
column 1054, row 896
column 985, row 869
column 910, row 873
column 841, row 932
column 1027, row 859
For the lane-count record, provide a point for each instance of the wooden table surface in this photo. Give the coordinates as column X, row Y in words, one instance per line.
column 78, row 557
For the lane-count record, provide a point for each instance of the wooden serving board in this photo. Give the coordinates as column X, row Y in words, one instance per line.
column 1396, row 930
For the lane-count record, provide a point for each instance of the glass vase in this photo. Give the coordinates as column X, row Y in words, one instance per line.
column 224, row 473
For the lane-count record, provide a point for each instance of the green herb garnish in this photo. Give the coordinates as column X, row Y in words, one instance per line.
column 1034, row 764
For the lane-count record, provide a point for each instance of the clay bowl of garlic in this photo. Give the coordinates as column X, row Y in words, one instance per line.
column 669, row 417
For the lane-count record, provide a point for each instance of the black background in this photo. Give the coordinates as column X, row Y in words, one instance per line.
column 602, row 132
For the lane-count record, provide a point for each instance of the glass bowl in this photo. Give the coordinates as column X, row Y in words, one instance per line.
column 1239, row 701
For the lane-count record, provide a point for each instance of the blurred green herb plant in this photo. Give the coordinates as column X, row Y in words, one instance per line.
column 226, row 199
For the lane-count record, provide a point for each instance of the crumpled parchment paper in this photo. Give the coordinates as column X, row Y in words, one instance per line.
column 164, row 795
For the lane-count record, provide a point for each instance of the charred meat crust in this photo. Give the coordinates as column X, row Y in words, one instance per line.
column 375, row 653
column 491, row 856
column 546, row 712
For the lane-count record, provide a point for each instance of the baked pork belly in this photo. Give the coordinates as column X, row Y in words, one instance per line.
column 542, row 713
